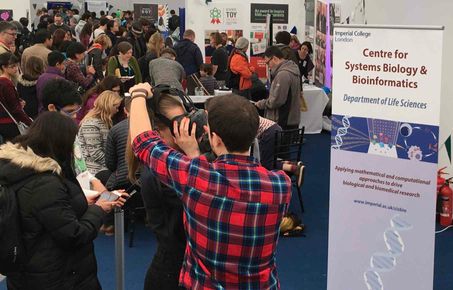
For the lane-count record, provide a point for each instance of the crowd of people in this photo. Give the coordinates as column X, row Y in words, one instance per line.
column 80, row 117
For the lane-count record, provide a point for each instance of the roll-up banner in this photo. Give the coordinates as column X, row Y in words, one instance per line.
column 384, row 154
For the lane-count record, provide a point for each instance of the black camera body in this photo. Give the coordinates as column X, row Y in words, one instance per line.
column 195, row 115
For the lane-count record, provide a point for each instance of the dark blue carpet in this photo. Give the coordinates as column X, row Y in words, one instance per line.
column 302, row 262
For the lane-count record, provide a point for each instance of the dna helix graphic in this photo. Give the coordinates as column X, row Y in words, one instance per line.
column 342, row 131
column 386, row 262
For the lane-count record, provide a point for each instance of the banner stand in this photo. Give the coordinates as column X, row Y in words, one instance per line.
column 384, row 156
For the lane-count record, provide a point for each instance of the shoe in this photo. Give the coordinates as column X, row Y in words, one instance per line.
column 300, row 171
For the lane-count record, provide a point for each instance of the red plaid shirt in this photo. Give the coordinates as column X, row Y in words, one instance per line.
column 233, row 209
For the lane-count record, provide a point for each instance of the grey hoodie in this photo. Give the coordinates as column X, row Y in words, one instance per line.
column 285, row 77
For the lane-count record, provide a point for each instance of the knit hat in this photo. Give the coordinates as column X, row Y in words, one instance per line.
column 241, row 43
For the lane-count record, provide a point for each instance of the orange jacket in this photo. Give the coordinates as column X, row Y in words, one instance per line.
column 239, row 65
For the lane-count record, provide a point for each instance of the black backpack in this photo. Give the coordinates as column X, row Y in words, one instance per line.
column 12, row 249
column 232, row 80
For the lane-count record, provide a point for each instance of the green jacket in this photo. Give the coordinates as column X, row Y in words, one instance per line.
column 133, row 63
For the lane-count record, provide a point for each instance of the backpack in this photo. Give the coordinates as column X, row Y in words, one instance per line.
column 232, row 80
column 12, row 248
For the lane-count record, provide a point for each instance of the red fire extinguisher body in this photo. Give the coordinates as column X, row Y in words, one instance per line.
column 446, row 195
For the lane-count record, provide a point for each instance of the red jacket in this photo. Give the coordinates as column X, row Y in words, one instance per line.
column 10, row 99
column 239, row 64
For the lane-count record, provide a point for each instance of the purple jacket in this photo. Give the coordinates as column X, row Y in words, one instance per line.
column 50, row 74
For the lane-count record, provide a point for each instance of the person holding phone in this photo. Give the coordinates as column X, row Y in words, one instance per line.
column 59, row 223
column 125, row 66
column 76, row 54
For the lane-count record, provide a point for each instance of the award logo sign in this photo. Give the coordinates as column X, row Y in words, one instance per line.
column 148, row 11
column 224, row 16
column 279, row 13
column 215, row 14
column 385, row 132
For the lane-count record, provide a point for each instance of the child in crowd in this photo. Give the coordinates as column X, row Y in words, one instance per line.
column 207, row 80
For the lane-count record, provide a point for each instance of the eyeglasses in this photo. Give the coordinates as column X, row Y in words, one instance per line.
column 11, row 33
column 70, row 113
column 268, row 61
column 13, row 66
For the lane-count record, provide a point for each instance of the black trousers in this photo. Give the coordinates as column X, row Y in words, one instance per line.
column 163, row 273
column 267, row 147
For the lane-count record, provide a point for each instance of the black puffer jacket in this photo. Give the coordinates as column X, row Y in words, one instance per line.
column 58, row 225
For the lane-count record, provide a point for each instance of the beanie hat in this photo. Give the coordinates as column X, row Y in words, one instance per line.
column 241, row 43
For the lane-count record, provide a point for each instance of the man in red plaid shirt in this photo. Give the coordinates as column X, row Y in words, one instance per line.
column 233, row 206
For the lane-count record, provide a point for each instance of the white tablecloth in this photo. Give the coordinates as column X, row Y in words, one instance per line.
column 202, row 99
column 316, row 100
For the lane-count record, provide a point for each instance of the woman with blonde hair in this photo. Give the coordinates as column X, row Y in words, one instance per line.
column 155, row 45
column 95, row 53
column 94, row 129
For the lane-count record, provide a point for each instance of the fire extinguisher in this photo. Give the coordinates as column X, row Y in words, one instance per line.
column 440, row 179
column 446, row 196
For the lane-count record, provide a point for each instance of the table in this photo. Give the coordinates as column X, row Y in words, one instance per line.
column 316, row 100
column 202, row 99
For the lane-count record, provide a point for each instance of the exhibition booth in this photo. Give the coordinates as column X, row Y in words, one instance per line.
column 386, row 69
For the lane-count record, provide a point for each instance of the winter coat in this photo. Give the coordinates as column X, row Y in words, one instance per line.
column 285, row 82
column 27, row 91
column 94, row 58
column 239, row 64
column 188, row 54
column 143, row 62
column 138, row 45
column 58, row 226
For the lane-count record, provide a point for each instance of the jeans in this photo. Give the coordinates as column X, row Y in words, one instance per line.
column 163, row 273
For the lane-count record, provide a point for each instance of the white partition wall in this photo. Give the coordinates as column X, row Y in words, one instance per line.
column 19, row 7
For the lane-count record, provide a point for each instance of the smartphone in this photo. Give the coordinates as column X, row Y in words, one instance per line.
column 131, row 194
column 109, row 196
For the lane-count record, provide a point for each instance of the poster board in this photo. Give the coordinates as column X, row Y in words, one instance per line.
column 385, row 131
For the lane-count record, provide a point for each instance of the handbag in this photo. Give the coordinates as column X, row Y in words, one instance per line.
column 20, row 125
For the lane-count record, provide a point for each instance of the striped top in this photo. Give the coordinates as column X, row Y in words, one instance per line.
column 93, row 137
